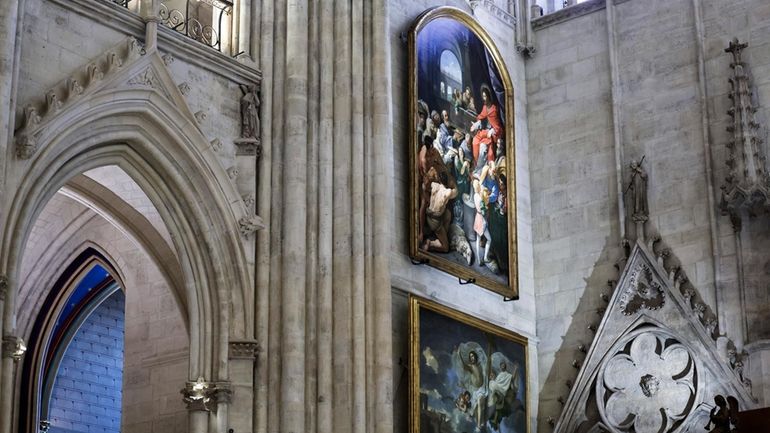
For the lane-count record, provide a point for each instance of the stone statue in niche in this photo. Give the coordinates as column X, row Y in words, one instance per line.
column 640, row 210
column 249, row 112
column 249, row 143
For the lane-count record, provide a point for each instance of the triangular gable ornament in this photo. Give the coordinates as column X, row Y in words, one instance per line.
column 124, row 66
column 653, row 365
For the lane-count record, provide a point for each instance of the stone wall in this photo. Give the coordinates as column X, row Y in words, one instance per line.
column 577, row 229
column 431, row 283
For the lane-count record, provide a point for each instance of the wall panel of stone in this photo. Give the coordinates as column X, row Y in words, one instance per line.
column 574, row 195
column 428, row 282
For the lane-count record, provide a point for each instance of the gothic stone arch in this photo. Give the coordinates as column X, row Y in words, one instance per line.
column 132, row 115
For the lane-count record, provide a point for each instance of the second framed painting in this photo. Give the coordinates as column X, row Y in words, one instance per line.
column 466, row 375
column 463, row 183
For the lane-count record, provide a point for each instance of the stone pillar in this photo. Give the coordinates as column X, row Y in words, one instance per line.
column 9, row 18
column 242, row 356
column 13, row 349
column 150, row 10
column 323, row 278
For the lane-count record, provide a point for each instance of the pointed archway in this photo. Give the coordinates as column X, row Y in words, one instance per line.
column 132, row 116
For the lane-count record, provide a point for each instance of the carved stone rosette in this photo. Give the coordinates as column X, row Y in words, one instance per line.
column 649, row 383
column 205, row 396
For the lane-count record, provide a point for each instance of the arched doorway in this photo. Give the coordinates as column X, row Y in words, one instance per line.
column 145, row 134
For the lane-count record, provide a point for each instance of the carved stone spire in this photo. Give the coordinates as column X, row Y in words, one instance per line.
column 747, row 185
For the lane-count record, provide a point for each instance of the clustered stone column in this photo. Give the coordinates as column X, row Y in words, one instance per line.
column 323, row 279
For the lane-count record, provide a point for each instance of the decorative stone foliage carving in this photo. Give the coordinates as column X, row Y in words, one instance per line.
column 74, row 89
column 642, row 292
column 249, row 225
column 95, row 74
column 216, row 144
column 70, row 90
column 232, row 173
column 205, row 396
column 53, row 104
column 145, row 78
column 13, row 347
column 246, row 349
column 648, row 384
column 200, row 116
column 184, row 88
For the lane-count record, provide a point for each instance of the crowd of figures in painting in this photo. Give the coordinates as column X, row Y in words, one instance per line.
column 462, row 175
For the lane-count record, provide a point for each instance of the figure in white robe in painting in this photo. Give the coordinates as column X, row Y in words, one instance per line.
column 503, row 389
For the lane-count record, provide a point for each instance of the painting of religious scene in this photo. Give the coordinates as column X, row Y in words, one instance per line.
column 467, row 375
column 463, row 180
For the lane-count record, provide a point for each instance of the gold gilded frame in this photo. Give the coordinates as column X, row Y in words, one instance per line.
column 415, row 305
column 511, row 290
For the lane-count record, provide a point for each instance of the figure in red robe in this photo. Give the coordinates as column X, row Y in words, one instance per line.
column 486, row 137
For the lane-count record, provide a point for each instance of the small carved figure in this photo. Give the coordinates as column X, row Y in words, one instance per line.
column 249, row 112
column 640, row 210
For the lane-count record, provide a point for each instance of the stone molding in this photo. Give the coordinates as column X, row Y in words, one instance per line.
column 126, row 64
column 68, row 91
column 244, row 349
column 248, row 147
column 3, row 287
column 507, row 18
column 568, row 13
column 195, row 53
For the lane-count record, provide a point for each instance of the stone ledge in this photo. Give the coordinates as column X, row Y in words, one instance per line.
column 758, row 346
column 122, row 20
column 569, row 13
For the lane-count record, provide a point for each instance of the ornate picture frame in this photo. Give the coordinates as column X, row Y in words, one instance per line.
column 466, row 374
column 462, row 152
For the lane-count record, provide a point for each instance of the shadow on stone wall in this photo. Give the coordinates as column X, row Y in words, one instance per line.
column 577, row 340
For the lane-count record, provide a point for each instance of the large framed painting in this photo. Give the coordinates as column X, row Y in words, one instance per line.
column 463, row 183
column 467, row 375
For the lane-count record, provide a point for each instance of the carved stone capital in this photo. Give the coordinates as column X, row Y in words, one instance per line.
column 13, row 347
column 205, row 396
column 244, row 349
column 248, row 147
column 249, row 225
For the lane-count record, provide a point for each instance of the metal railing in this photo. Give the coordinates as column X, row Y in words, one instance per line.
column 200, row 20
column 123, row 3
